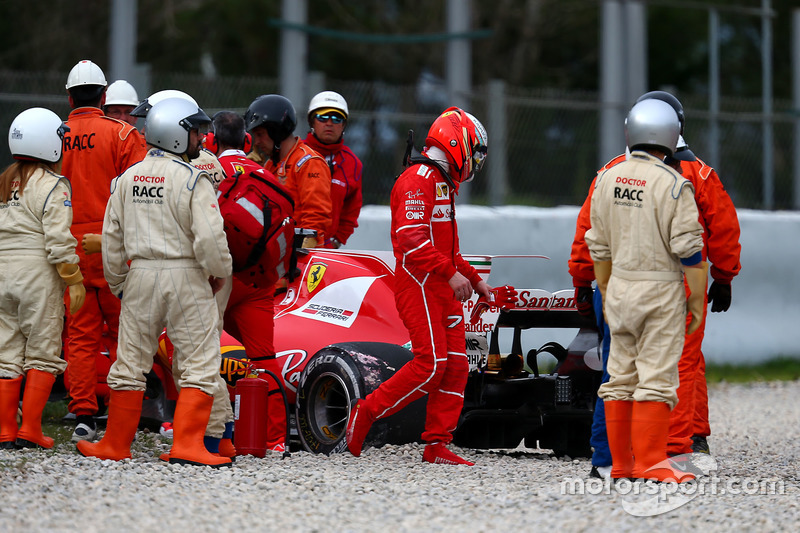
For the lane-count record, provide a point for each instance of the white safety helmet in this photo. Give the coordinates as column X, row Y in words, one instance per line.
column 37, row 133
column 144, row 107
column 682, row 152
column 652, row 123
column 121, row 93
column 169, row 123
column 327, row 101
column 86, row 73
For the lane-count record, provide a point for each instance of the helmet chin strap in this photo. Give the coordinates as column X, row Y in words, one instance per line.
column 276, row 153
column 413, row 157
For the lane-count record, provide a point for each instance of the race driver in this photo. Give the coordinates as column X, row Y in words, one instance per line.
column 689, row 425
column 431, row 281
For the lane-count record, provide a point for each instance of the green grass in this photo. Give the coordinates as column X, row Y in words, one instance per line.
column 778, row 369
column 53, row 426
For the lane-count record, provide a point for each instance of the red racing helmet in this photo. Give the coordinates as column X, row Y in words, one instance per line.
column 463, row 139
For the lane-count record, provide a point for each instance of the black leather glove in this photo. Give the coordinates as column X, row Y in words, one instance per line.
column 584, row 301
column 719, row 295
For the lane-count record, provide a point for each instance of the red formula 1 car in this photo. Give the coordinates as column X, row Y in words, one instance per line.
column 338, row 336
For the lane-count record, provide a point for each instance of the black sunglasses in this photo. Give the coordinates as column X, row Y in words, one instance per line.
column 336, row 119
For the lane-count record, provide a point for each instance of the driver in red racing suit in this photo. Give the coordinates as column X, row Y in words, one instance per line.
column 431, row 281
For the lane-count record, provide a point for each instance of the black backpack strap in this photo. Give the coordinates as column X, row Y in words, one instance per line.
column 235, row 177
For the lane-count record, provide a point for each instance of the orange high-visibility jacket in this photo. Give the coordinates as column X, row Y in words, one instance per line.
column 717, row 216
column 306, row 176
column 97, row 149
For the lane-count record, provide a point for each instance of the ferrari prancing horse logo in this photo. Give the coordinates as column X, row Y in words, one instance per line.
column 315, row 274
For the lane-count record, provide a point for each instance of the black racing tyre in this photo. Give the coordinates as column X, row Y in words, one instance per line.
column 338, row 375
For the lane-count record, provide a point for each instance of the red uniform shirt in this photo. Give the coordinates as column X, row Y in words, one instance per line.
column 234, row 161
column 424, row 231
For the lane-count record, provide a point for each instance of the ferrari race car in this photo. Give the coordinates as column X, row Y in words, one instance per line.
column 338, row 336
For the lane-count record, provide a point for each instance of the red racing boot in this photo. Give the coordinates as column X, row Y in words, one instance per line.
column 437, row 453
column 357, row 428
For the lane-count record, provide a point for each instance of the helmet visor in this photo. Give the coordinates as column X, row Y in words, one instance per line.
column 62, row 130
column 478, row 157
column 199, row 121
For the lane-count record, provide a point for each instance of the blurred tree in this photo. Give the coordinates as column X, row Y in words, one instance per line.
column 534, row 43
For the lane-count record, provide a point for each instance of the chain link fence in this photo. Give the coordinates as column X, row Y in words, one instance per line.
column 551, row 136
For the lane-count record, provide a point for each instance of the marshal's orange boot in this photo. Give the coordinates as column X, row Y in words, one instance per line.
column 38, row 385
column 9, row 403
column 124, row 411
column 649, row 432
column 189, row 426
column 618, row 428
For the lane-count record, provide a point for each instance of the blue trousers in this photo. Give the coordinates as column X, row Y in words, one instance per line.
column 601, row 456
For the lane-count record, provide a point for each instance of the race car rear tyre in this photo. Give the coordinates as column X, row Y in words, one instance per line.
column 338, row 375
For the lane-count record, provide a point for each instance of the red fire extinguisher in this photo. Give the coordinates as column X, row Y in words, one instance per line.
column 250, row 416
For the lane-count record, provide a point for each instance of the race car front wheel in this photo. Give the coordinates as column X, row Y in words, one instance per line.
column 338, row 375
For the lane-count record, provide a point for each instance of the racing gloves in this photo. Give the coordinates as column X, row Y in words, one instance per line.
column 584, row 301
column 719, row 295
column 504, row 297
column 71, row 274
column 696, row 278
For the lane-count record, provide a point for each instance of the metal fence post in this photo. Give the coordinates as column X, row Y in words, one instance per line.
column 497, row 161
column 294, row 52
column 612, row 81
column 458, row 66
column 766, row 88
column 713, row 89
column 796, row 102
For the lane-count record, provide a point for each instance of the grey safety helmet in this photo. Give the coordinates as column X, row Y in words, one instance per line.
column 664, row 96
column 652, row 123
column 169, row 123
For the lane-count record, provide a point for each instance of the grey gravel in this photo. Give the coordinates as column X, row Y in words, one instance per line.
column 756, row 430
